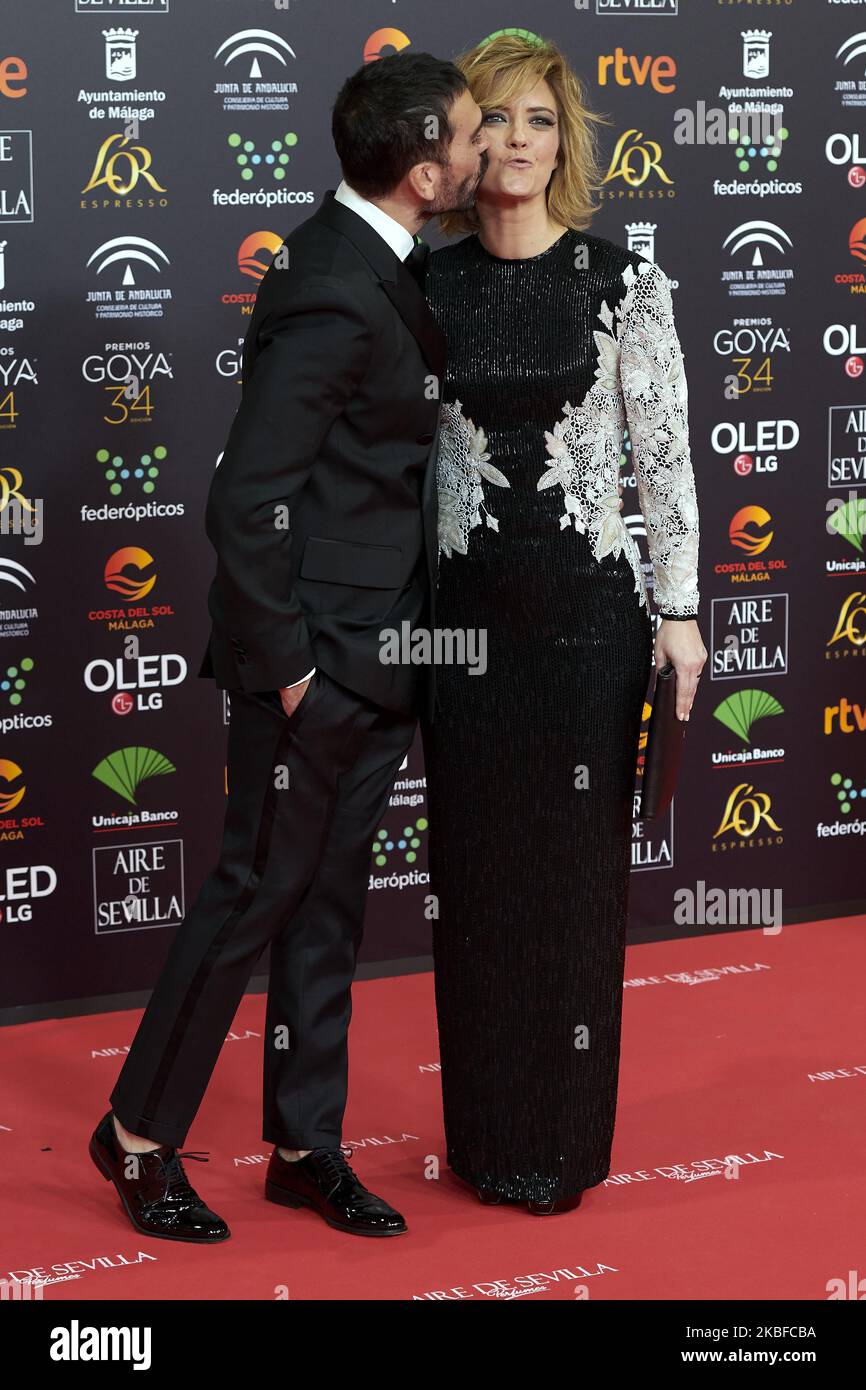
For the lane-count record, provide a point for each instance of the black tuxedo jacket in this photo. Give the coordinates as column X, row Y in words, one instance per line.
column 323, row 508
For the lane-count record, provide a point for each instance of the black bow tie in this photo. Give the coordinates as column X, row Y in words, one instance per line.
column 416, row 261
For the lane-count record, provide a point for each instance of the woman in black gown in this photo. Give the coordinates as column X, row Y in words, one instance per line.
column 557, row 340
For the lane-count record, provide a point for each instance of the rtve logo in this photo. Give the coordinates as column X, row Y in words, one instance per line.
column 13, row 74
column 627, row 70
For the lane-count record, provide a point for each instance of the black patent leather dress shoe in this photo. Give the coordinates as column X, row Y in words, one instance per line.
column 488, row 1197
column 154, row 1190
column 324, row 1181
column 559, row 1204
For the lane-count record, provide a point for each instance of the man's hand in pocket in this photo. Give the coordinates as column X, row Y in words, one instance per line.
column 292, row 695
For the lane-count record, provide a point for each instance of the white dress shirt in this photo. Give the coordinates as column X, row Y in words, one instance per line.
column 400, row 242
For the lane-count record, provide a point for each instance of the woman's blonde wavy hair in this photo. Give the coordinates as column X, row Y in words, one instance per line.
column 504, row 67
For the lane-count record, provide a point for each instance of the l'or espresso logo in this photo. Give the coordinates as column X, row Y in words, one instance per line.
column 755, row 448
column 636, row 170
column 849, row 635
column 138, row 886
column 131, row 574
column 749, row 637
column 13, row 792
column 751, row 532
column 127, row 373
column 21, row 888
column 122, row 175
column 846, row 461
column 652, row 842
column 747, row 821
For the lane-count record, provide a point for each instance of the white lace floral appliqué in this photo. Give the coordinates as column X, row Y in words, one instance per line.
column 640, row 381
column 462, row 462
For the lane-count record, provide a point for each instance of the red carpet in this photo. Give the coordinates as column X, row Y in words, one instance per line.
column 744, row 1045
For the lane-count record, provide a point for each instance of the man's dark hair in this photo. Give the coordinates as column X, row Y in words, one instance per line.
column 381, row 119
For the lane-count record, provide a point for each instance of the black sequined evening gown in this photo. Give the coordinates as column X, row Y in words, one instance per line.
column 531, row 763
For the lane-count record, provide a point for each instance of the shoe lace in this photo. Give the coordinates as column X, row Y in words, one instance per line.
column 335, row 1167
column 171, row 1170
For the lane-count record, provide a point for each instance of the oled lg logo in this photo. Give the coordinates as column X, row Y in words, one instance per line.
column 77, row 1343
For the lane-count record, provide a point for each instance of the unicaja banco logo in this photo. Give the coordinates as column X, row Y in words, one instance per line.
column 124, row 771
column 742, row 709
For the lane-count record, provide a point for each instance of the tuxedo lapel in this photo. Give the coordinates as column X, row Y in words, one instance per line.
column 398, row 283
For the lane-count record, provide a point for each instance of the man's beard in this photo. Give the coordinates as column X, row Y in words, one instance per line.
column 459, row 197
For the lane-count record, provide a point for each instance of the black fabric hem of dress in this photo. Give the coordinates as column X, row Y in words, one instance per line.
column 526, row 1191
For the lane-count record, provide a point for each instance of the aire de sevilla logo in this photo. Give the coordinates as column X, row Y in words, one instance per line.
column 752, row 532
column 131, row 573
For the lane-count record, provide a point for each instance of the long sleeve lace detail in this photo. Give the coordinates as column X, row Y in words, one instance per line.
column 655, row 396
column 640, row 382
column 462, row 461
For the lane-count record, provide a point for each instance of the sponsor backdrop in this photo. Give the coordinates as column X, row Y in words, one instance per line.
column 153, row 154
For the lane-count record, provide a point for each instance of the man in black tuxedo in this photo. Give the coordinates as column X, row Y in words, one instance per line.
column 323, row 516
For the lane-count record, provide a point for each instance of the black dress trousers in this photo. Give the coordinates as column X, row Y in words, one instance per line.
column 306, row 794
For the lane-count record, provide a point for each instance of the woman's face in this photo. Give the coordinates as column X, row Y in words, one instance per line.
column 523, row 142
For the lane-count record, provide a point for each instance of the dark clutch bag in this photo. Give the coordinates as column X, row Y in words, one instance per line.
column 664, row 746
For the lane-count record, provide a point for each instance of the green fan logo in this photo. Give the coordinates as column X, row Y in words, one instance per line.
column 406, row 844
column 849, row 522
column 742, row 709
column 124, row 771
